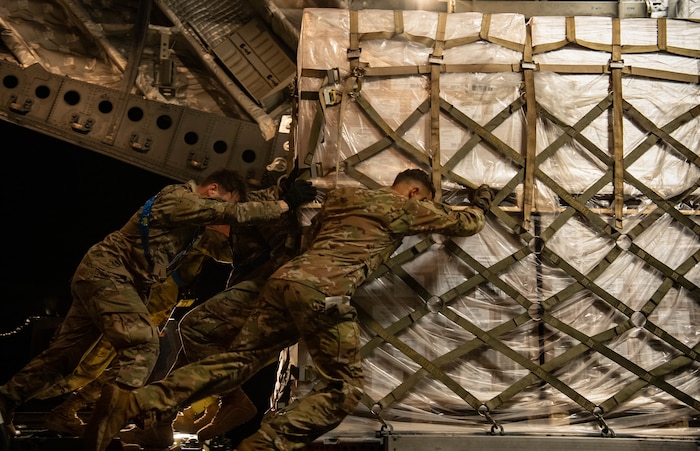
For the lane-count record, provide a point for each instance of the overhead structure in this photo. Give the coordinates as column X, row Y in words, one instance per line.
column 229, row 64
column 167, row 86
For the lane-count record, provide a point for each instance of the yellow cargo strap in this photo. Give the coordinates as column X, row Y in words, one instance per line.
column 531, row 138
column 435, row 60
column 538, row 372
column 475, row 139
column 627, row 70
column 660, row 46
column 616, row 65
column 396, row 136
column 664, row 133
column 584, row 281
column 426, row 41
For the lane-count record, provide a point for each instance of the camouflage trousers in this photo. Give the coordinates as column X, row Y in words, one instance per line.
column 211, row 327
column 284, row 313
column 100, row 307
column 89, row 376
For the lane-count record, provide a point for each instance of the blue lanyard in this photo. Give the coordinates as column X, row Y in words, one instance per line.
column 144, row 221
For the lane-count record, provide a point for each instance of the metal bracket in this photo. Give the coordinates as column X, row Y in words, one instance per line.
column 24, row 108
column 386, row 428
column 83, row 128
column 616, row 64
column 333, row 75
column 605, row 430
column 137, row 145
column 528, row 65
column 330, row 96
column 165, row 77
column 197, row 164
column 484, row 412
column 432, row 59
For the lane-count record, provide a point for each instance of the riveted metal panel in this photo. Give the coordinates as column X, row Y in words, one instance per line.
column 30, row 92
column 257, row 62
column 77, row 107
column 146, row 129
column 170, row 140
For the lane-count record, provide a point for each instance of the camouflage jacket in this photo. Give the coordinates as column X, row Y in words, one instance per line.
column 177, row 221
column 259, row 249
column 358, row 229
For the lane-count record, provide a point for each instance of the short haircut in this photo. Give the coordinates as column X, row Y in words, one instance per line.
column 230, row 181
column 415, row 175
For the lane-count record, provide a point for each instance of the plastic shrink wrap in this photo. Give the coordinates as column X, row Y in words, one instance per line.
column 576, row 309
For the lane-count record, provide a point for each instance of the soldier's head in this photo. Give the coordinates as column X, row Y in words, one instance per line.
column 223, row 184
column 414, row 184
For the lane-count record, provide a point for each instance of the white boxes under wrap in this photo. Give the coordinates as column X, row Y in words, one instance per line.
column 576, row 308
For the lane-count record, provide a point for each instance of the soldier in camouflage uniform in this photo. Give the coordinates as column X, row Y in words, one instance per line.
column 88, row 378
column 209, row 328
column 111, row 284
column 308, row 298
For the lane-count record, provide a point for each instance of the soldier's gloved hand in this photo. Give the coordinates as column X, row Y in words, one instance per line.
column 286, row 181
column 482, row 197
column 300, row 192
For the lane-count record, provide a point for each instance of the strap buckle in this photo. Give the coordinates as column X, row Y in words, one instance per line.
column 331, row 96
column 616, row 64
column 433, row 59
column 333, row 75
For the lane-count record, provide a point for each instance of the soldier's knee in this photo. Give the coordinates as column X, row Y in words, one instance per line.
column 188, row 320
column 188, row 326
column 348, row 395
column 352, row 399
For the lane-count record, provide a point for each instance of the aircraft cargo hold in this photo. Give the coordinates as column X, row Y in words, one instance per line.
column 570, row 321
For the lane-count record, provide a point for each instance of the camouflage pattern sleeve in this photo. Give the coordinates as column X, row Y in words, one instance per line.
column 184, row 206
column 426, row 216
column 261, row 195
column 243, row 212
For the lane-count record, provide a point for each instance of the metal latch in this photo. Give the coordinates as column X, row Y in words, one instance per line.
column 432, row 59
column 331, row 96
column 333, row 75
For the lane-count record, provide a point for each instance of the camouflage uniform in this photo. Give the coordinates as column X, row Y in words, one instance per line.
column 111, row 284
column 161, row 301
column 308, row 299
column 211, row 327
column 258, row 251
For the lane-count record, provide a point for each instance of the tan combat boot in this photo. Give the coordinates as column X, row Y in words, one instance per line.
column 263, row 438
column 185, row 421
column 198, row 415
column 7, row 428
column 112, row 412
column 64, row 419
column 157, row 435
column 235, row 409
